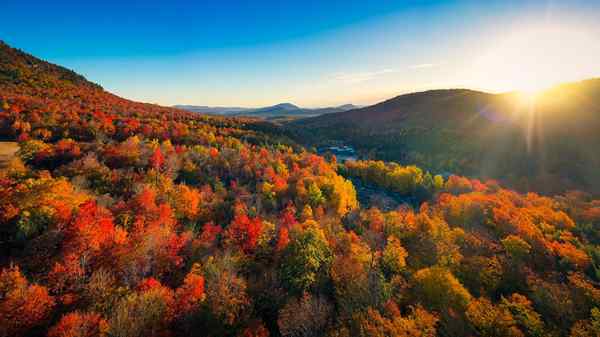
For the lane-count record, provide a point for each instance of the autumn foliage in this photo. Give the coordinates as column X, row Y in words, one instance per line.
column 120, row 218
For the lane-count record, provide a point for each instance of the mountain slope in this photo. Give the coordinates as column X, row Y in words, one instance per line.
column 40, row 100
column 19, row 69
column 544, row 143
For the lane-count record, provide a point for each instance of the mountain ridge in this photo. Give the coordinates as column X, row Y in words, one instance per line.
column 280, row 109
column 507, row 136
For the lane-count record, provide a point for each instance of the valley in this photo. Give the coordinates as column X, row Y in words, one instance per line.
column 546, row 147
column 438, row 213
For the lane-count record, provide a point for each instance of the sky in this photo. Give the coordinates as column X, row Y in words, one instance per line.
column 311, row 53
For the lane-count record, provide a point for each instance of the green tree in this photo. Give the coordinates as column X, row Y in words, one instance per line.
column 305, row 256
column 394, row 256
column 438, row 289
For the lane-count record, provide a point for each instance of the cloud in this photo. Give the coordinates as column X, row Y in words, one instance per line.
column 358, row 77
column 422, row 66
column 350, row 78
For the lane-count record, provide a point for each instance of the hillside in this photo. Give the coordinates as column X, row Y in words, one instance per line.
column 120, row 218
column 19, row 70
column 545, row 144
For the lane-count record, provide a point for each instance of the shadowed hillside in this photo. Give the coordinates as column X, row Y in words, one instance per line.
column 545, row 143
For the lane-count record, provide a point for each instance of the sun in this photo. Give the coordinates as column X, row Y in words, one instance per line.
column 528, row 99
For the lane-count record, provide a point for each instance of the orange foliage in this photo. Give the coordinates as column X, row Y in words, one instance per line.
column 190, row 294
column 76, row 324
column 22, row 305
column 92, row 229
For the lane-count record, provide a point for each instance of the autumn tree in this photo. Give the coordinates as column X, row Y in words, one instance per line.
column 22, row 305
column 307, row 255
column 304, row 316
column 528, row 320
column 438, row 289
column 490, row 320
column 146, row 312
column 393, row 259
column 77, row 324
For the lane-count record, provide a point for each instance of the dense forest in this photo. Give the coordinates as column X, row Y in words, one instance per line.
column 120, row 218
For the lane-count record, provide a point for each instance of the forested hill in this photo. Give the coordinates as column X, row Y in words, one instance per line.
column 19, row 70
column 126, row 219
column 544, row 143
column 38, row 88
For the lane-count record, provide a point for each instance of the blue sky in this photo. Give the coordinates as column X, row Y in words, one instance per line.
column 312, row 53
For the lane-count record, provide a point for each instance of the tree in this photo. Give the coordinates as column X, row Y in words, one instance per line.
column 516, row 247
column 438, row 289
column 589, row 327
column 157, row 159
column 146, row 312
column 92, row 229
column 187, row 202
column 255, row 329
column 189, row 296
column 226, row 297
column 315, row 197
column 306, row 256
column 393, row 259
column 524, row 314
column 22, row 305
column 77, row 324
column 370, row 322
column 244, row 232
column 490, row 320
column 305, row 316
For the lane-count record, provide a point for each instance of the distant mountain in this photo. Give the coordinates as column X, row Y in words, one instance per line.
column 211, row 110
column 278, row 110
column 282, row 109
column 547, row 143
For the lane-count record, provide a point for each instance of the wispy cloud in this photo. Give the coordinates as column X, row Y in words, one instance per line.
column 350, row 78
column 424, row 65
column 358, row 77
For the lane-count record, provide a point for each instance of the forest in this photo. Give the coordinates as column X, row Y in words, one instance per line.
column 120, row 218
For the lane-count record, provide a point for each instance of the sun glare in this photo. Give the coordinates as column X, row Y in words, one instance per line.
column 534, row 58
column 530, row 95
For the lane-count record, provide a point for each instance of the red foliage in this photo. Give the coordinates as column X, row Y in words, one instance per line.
column 22, row 305
column 92, row 229
column 283, row 238
column 190, row 294
column 157, row 160
column 209, row 234
column 256, row 329
column 76, row 324
column 66, row 277
column 214, row 153
column 245, row 232
column 288, row 217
